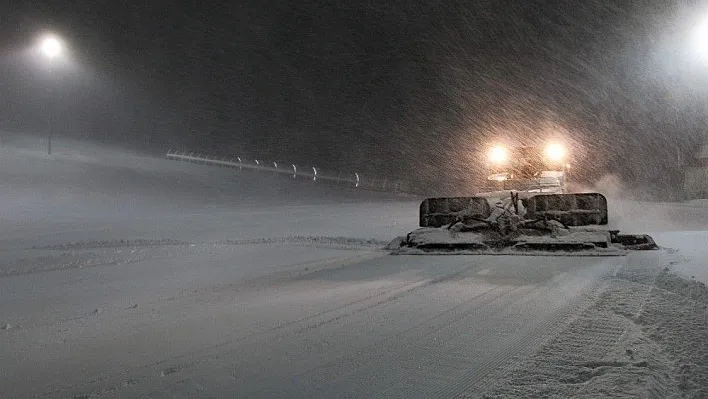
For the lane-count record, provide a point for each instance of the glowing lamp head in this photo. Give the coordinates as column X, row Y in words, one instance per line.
column 51, row 46
column 498, row 155
column 700, row 39
column 555, row 152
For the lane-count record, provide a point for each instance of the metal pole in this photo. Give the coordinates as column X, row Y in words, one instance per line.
column 50, row 118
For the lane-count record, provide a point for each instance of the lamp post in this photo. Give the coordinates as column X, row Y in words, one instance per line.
column 51, row 47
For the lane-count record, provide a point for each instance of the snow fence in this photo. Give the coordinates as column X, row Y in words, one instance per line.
column 351, row 179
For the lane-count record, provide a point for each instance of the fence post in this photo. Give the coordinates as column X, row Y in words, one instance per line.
column 343, row 178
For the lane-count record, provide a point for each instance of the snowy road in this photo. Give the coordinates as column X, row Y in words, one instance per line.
column 129, row 285
column 283, row 320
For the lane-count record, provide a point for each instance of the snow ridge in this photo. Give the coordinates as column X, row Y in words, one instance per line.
column 83, row 254
column 646, row 336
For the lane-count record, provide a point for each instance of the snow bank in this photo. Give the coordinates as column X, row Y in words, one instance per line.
column 692, row 252
column 646, row 335
column 703, row 203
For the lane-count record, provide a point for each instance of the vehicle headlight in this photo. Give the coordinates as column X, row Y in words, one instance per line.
column 498, row 155
column 555, row 152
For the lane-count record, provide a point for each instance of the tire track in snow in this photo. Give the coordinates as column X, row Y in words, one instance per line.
column 343, row 367
column 412, row 347
column 551, row 323
column 588, row 347
column 213, row 352
column 445, row 361
column 337, row 262
column 411, row 360
column 520, row 337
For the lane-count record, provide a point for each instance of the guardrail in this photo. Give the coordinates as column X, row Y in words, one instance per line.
column 353, row 179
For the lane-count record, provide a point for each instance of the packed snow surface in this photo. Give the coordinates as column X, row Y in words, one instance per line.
column 128, row 276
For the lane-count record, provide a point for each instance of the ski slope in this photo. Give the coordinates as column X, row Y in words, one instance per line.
column 128, row 276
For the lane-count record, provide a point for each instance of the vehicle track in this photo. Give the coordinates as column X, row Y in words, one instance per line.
column 436, row 331
column 437, row 350
column 194, row 359
column 394, row 347
column 594, row 346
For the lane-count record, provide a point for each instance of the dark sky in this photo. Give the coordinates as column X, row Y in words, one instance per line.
column 404, row 88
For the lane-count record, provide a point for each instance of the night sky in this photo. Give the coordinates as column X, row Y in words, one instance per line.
column 400, row 88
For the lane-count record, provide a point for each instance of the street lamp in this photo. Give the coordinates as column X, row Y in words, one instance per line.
column 51, row 47
column 700, row 39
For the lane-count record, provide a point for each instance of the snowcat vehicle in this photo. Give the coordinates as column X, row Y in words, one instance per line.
column 521, row 224
column 536, row 217
column 528, row 168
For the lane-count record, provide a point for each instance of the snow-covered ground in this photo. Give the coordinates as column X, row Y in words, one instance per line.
column 682, row 227
column 128, row 276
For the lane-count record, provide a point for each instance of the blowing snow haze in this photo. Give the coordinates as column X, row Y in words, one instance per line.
column 404, row 88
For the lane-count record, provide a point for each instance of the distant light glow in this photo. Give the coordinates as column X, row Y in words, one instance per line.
column 700, row 38
column 498, row 155
column 555, row 152
column 498, row 177
column 51, row 46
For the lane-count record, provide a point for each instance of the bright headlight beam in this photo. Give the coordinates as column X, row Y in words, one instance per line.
column 498, row 155
column 555, row 152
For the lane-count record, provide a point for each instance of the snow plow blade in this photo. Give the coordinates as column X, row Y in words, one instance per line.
column 569, row 209
column 437, row 212
column 539, row 224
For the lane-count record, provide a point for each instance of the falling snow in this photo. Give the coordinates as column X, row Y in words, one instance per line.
column 125, row 274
